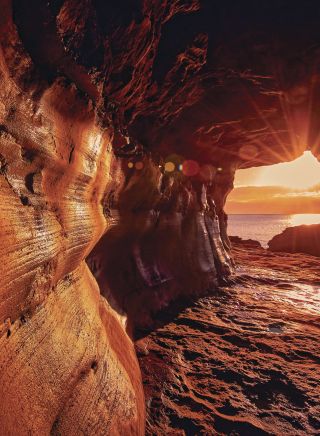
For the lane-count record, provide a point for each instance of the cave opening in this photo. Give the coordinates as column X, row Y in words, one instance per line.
column 267, row 199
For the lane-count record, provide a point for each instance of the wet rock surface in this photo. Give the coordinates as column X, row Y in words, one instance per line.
column 298, row 239
column 244, row 360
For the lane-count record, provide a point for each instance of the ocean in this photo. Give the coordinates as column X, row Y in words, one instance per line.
column 262, row 228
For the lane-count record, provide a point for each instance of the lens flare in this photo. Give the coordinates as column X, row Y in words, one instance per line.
column 169, row 167
column 139, row 165
column 190, row 168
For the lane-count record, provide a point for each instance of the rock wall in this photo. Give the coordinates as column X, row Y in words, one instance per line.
column 165, row 241
column 67, row 365
column 120, row 133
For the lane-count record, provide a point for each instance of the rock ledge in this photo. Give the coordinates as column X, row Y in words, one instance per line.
column 299, row 239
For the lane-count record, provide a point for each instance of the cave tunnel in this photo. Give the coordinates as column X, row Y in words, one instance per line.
column 122, row 124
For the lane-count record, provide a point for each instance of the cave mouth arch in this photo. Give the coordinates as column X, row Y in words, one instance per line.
column 267, row 199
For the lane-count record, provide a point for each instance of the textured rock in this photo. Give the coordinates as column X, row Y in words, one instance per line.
column 246, row 242
column 298, row 239
column 165, row 241
column 243, row 360
column 95, row 99
column 67, row 366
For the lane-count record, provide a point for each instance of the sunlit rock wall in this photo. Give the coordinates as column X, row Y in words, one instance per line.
column 67, row 362
column 67, row 366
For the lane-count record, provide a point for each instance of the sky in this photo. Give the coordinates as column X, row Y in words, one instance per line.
column 286, row 188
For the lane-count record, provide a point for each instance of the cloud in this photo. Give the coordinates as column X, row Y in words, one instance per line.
column 274, row 199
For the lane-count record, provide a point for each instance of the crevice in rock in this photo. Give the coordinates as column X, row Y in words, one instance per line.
column 29, row 179
column 25, row 200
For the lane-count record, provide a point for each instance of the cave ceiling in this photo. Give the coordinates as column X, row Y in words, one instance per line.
column 226, row 83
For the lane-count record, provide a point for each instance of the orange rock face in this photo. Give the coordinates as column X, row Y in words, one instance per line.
column 120, row 134
column 67, row 365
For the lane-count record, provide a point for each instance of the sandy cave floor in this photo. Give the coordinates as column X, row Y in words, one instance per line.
column 244, row 360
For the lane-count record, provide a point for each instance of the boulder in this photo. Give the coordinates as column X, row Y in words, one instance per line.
column 299, row 239
column 246, row 242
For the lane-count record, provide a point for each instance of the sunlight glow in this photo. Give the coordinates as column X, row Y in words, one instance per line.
column 300, row 219
column 302, row 173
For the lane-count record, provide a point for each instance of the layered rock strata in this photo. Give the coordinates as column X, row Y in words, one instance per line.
column 120, row 133
column 165, row 242
column 67, row 363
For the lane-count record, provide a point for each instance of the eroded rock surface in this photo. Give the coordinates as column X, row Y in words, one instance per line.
column 95, row 99
column 67, row 365
column 165, row 241
column 244, row 360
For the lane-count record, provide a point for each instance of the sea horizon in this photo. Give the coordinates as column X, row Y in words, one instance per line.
column 262, row 228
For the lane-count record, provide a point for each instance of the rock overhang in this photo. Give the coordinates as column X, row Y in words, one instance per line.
column 202, row 79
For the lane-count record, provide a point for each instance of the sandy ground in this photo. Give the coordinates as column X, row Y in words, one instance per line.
column 244, row 360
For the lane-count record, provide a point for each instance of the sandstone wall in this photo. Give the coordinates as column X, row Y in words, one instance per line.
column 95, row 99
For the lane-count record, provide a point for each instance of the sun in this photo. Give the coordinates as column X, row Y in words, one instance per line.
column 301, row 173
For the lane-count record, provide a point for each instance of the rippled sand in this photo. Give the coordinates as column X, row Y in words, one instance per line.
column 241, row 361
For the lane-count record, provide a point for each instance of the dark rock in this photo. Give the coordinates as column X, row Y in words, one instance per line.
column 299, row 239
column 247, row 242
